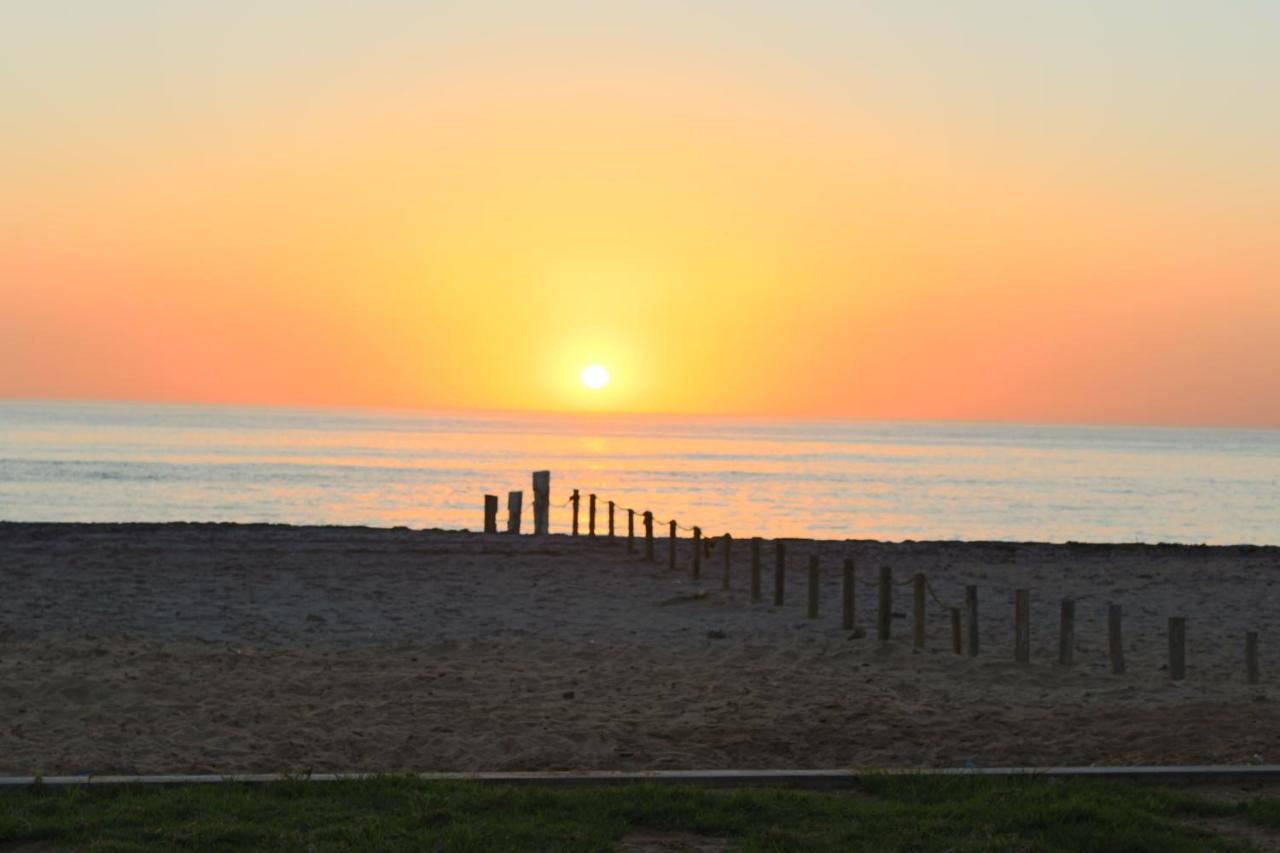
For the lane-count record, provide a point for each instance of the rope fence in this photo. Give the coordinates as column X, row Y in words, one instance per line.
column 960, row 617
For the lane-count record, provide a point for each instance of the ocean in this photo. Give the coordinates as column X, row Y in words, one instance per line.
column 115, row 462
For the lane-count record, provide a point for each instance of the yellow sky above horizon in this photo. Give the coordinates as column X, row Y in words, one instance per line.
column 725, row 231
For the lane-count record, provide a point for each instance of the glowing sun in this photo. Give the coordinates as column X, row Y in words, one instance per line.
column 594, row 376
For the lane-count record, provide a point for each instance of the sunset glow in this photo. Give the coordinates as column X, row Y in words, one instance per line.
column 595, row 377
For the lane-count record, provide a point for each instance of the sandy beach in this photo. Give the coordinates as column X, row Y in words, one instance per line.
column 211, row 648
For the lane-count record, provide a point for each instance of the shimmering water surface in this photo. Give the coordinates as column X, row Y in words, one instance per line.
column 124, row 462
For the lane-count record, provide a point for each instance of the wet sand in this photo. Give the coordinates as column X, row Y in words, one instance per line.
column 249, row 648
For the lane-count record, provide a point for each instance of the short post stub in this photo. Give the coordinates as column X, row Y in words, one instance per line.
column 755, row 568
column 956, row 645
column 1022, row 625
column 671, row 546
column 1252, row 673
column 696, row 569
column 917, row 590
column 648, row 535
column 591, row 515
column 1177, row 648
column 514, row 503
column 490, row 513
column 1067, row 632
column 541, row 502
column 575, row 498
column 884, row 610
column 847, row 595
column 631, row 531
column 814, row 580
column 779, row 572
column 971, row 614
column 610, row 519
column 1115, row 640
column 728, row 561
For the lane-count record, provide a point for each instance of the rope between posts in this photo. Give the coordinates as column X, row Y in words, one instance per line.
column 934, row 595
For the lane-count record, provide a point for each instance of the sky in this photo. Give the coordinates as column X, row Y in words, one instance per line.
column 1050, row 212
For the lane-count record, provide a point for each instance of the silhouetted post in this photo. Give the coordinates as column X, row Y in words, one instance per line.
column 884, row 614
column 671, row 551
column 1177, row 648
column 1022, row 625
column 631, row 531
column 955, row 631
column 779, row 572
column 1252, row 673
column 610, row 519
column 847, row 594
column 728, row 561
column 755, row 568
column 917, row 589
column 648, row 536
column 541, row 502
column 1115, row 641
column 575, row 498
column 591, row 516
column 514, row 501
column 490, row 513
column 697, row 553
column 1067, row 632
column 814, row 580
column 971, row 608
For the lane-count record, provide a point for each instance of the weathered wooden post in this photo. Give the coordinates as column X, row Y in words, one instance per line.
column 541, row 503
column 917, row 635
column 591, row 516
column 1115, row 642
column 884, row 613
column 847, row 595
column 490, row 513
column 671, row 550
column 971, row 614
column 956, row 645
column 1022, row 625
column 755, row 568
column 514, row 502
column 611, row 519
column 648, row 536
column 814, row 580
column 728, row 561
column 631, row 531
column 779, row 572
column 575, row 497
column 696, row 570
column 1177, row 648
column 1252, row 673
column 1067, row 632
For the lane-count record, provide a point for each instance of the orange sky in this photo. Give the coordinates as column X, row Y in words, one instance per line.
column 725, row 230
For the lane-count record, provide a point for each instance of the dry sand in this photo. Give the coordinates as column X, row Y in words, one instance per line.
column 222, row 648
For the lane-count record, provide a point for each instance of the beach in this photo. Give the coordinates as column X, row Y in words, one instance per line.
column 221, row 648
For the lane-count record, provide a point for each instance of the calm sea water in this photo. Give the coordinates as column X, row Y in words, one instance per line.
column 124, row 462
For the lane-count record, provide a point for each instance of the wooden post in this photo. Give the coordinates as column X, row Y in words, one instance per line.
column 755, row 568
column 648, row 536
column 971, row 612
column 779, row 572
column 610, row 519
column 814, row 580
column 884, row 614
column 575, row 498
column 1067, row 632
column 696, row 570
column 514, row 501
column 1252, row 674
column 490, row 513
column 917, row 635
column 591, row 515
column 1115, row 642
column 631, row 531
column 541, row 503
column 728, row 561
column 1177, row 648
column 847, row 594
column 671, row 547
column 956, row 645
column 1022, row 625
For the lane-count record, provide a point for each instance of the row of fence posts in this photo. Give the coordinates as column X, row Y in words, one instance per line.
column 1177, row 625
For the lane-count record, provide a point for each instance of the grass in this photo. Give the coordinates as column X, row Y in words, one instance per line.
column 396, row 813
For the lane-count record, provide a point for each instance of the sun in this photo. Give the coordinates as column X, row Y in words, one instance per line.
column 594, row 377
